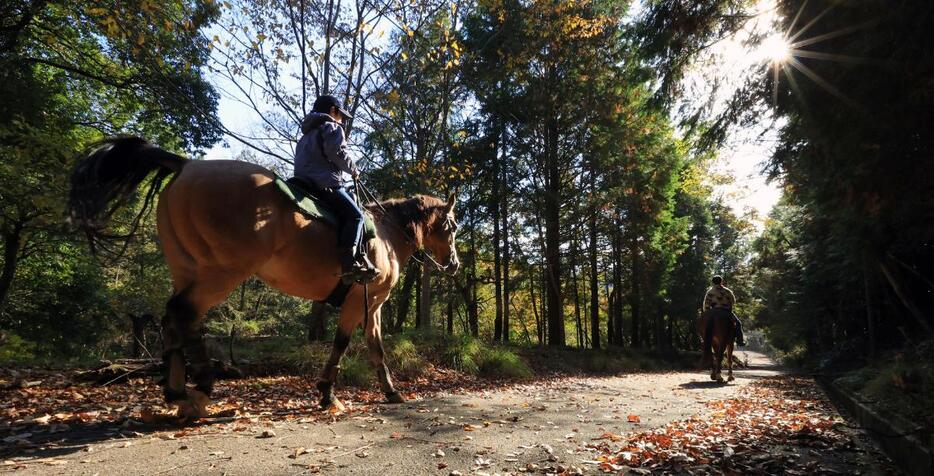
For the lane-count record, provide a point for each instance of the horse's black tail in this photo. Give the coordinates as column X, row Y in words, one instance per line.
column 106, row 179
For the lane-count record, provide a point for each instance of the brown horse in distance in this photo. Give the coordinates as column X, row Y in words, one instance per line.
column 221, row 222
column 718, row 333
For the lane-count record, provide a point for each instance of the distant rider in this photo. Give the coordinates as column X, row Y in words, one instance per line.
column 720, row 297
column 323, row 164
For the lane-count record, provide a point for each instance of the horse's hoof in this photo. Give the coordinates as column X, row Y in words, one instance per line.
column 394, row 397
column 194, row 407
column 720, row 379
column 713, row 376
column 730, row 378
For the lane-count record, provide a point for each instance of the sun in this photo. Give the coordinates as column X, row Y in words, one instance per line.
column 775, row 49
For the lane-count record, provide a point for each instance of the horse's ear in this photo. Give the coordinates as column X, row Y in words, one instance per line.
column 452, row 199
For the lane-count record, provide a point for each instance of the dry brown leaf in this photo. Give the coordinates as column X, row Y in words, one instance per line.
column 298, row 452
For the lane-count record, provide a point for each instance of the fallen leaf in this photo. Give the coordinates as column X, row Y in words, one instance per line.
column 609, row 436
column 298, row 452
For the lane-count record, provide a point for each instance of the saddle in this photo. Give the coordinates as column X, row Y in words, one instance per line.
column 312, row 207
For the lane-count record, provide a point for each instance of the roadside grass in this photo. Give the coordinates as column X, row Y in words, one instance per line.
column 413, row 355
column 898, row 383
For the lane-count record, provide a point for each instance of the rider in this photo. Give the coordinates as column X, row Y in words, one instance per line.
column 720, row 297
column 323, row 164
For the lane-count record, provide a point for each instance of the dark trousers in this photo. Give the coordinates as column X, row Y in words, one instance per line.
column 348, row 213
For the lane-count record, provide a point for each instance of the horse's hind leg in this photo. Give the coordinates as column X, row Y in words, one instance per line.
column 729, row 364
column 179, row 315
column 374, row 341
column 182, row 337
column 718, row 364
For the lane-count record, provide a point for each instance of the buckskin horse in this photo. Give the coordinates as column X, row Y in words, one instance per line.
column 717, row 331
column 222, row 221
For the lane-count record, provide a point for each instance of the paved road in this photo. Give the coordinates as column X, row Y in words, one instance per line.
column 540, row 425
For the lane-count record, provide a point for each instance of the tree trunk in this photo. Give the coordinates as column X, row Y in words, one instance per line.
column 405, row 300
column 538, row 320
column 12, row 240
column 450, row 323
column 504, row 229
column 473, row 314
column 497, row 280
column 554, row 302
column 610, row 304
column 617, row 289
column 424, row 301
column 635, row 294
column 895, row 282
column 577, row 301
column 870, row 321
column 594, row 297
column 139, row 334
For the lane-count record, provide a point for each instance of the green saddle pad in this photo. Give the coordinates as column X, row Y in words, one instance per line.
column 314, row 208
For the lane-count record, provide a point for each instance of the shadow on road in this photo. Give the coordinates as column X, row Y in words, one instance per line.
column 702, row 385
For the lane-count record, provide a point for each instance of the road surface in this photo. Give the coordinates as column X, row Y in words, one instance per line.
column 541, row 427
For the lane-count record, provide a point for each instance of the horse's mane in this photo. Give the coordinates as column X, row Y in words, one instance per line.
column 411, row 213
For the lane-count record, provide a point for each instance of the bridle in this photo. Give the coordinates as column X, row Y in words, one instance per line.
column 449, row 224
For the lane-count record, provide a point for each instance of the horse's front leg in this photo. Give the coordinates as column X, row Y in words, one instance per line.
column 331, row 369
column 374, row 342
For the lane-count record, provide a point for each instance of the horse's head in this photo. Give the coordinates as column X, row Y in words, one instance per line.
column 440, row 237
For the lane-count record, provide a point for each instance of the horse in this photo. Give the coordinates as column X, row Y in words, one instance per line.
column 222, row 221
column 718, row 333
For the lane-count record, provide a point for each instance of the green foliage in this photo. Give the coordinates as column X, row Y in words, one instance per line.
column 464, row 353
column 356, row 370
column 14, row 349
column 71, row 72
column 502, row 363
column 405, row 359
column 844, row 260
column 305, row 358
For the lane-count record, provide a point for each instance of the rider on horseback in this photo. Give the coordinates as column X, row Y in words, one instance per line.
column 720, row 297
column 324, row 166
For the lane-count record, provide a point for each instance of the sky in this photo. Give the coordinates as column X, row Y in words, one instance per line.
column 730, row 61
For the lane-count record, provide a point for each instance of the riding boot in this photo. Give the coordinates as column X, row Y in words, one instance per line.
column 366, row 271
column 356, row 267
column 348, row 264
column 740, row 340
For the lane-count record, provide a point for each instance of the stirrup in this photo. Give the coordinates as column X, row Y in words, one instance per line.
column 360, row 274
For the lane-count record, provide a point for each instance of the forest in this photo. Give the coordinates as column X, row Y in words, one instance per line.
column 592, row 213
column 594, row 150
